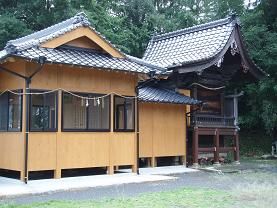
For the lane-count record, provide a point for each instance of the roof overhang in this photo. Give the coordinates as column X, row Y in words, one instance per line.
column 247, row 62
column 162, row 95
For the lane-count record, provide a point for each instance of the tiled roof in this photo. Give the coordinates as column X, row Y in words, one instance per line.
column 162, row 95
column 86, row 58
column 49, row 33
column 190, row 45
column 29, row 47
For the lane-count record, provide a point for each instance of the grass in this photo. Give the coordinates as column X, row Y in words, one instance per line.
column 188, row 197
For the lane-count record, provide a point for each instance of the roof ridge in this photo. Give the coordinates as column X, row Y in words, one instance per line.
column 195, row 28
column 79, row 18
column 145, row 63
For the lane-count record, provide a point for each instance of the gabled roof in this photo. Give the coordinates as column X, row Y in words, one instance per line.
column 82, row 57
column 31, row 47
column 55, row 31
column 190, row 44
column 197, row 48
column 162, row 95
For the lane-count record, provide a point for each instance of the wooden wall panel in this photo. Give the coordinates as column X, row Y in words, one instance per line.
column 83, row 32
column 9, row 81
column 66, row 150
column 187, row 93
column 12, row 151
column 84, row 42
column 12, row 143
column 61, row 150
column 81, row 150
column 168, row 130
column 123, row 148
column 83, row 80
column 146, row 129
column 42, row 151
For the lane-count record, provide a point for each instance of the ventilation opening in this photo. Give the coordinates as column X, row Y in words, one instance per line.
column 122, row 169
column 168, row 161
column 10, row 173
column 38, row 175
column 83, row 172
column 143, row 162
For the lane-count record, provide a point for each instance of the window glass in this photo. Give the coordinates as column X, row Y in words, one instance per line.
column 124, row 113
column 99, row 113
column 44, row 112
column 14, row 112
column 10, row 112
column 4, row 112
column 86, row 114
column 74, row 112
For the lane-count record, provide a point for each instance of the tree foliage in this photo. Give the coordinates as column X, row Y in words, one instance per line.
column 260, row 102
column 130, row 24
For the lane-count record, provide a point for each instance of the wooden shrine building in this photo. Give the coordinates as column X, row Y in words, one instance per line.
column 69, row 100
column 205, row 62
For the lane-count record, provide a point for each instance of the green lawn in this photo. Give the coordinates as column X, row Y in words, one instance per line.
column 189, row 197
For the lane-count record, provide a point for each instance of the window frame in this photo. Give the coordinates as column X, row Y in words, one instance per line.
column 30, row 112
column 8, row 112
column 125, row 113
column 86, row 94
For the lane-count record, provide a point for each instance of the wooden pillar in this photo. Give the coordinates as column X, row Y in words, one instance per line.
column 111, row 170
column 58, row 172
column 153, row 162
column 111, row 166
column 236, row 149
column 183, row 160
column 195, row 144
column 22, row 176
column 216, row 146
column 24, row 97
column 148, row 161
column 135, row 167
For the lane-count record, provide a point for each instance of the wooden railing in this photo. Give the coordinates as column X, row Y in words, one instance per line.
column 212, row 121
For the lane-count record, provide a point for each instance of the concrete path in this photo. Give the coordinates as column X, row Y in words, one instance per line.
column 12, row 187
column 166, row 170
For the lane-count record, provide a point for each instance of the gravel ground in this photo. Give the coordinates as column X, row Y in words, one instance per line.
column 199, row 179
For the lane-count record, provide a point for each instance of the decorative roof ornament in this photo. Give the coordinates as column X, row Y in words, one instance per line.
column 245, row 68
column 82, row 18
column 234, row 48
column 219, row 62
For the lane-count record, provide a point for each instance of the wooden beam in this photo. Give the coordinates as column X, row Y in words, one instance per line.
column 216, row 144
column 206, row 149
column 153, row 162
column 226, row 149
column 206, row 131
column 195, row 144
column 236, row 152
column 58, row 172
column 227, row 132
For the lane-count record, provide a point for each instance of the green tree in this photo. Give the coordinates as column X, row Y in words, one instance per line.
column 260, row 103
column 11, row 28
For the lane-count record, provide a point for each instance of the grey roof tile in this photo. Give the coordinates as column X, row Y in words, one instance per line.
column 3, row 54
column 49, row 33
column 189, row 45
column 86, row 58
column 29, row 47
column 162, row 95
